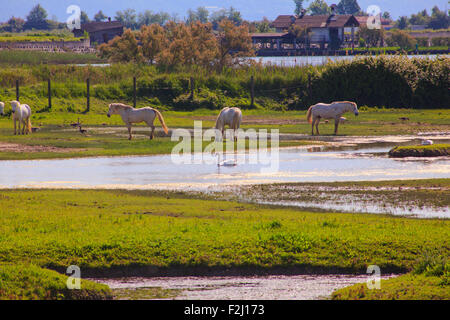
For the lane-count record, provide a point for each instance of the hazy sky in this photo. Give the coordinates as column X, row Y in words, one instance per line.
column 250, row 9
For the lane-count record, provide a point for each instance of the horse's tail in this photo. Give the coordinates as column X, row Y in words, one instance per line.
column 29, row 125
column 309, row 114
column 161, row 119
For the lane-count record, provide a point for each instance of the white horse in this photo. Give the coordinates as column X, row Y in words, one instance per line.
column 131, row 115
column 22, row 114
column 2, row 108
column 231, row 117
column 334, row 111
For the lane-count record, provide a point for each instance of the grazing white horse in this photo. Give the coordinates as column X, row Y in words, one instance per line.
column 21, row 113
column 231, row 117
column 131, row 115
column 2, row 108
column 334, row 111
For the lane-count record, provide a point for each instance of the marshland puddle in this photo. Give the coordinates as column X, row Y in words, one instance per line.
column 366, row 160
column 300, row 287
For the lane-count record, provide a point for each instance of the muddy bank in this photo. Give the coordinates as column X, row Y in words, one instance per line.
column 419, row 151
column 15, row 147
column 220, row 271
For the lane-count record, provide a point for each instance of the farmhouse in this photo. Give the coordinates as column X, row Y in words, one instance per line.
column 324, row 32
column 100, row 32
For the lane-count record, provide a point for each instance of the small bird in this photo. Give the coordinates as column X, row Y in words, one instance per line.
column 82, row 130
column 427, row 142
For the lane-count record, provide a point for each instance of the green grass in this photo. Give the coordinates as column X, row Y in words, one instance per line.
column 430, row 280
column 30, row 282
column 57, row 132
column 108, row 230
column 26, row 57
column 406, row 287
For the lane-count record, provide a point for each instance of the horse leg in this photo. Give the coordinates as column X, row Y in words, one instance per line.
column 336, row 125
column 317, row 126
column 24, row 128
column 312, row 124
column 18, row 124
column 129, row 132
column 15, row 130
column 153, row 132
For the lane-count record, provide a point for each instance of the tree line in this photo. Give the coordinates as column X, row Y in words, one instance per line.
column 182, row 44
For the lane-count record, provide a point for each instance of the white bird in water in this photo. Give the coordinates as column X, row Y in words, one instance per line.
column 225, row 163
column 427, row 142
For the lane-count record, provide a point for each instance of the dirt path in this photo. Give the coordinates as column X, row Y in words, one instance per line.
column 14, row 147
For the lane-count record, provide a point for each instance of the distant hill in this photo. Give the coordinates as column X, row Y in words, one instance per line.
column 250, row 9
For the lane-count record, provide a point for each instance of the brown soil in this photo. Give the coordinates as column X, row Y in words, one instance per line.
column 14, row 147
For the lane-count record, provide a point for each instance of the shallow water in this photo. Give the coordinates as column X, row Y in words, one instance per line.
column 159, row 172
column 320, row 60
column 301, row 287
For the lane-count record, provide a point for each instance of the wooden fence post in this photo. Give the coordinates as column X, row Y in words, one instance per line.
column 17, row 91
column 252, row 90
column 309, row 85
column 49, row 89
column 88, row 102
column 134, row 92
column 192, row 85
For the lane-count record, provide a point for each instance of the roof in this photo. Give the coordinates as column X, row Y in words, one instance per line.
column 99, row 26
column 363, row 20
column 283, row 21
column 328, row 21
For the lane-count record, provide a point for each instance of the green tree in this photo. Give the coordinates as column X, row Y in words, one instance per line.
column 439, row 19
column 371, row 37
column 318, row 7
column 100, row 16
column 402, row 39
column 402, row 23
column 298, row 6
column 37, row 18
column 14, row 25
column 348, row 7
column 386, row 15
column 128, row 18
column 84, row 18
column 201, row 15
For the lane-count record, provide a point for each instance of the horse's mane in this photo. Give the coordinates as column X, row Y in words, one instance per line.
column 349, row 102
column 122, row 106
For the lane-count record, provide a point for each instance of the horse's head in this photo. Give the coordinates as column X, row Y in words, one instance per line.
column 355, row 109
column 15, row 105
column 2, row 108
column 112, row 110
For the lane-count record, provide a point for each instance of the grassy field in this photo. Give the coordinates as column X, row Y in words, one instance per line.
column 108, row 136
column 25, row 57
column 110, row 233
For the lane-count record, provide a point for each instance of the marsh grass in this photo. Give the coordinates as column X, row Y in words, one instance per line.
column 30, row 282
column 106, row 230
